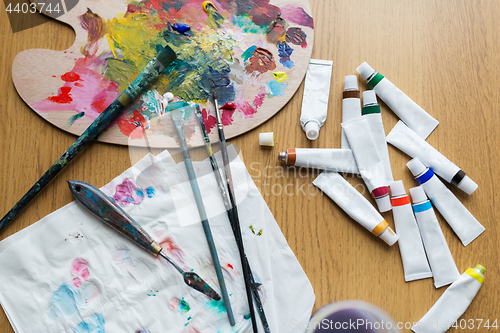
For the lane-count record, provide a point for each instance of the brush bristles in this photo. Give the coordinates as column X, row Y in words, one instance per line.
column 166, row 56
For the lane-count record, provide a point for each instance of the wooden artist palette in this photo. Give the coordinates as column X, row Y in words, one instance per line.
column 254, row 52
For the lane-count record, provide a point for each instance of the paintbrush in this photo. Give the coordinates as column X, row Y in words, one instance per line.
column 110, row 213
column 250, row 285
column 176, row 117
column 148, row 74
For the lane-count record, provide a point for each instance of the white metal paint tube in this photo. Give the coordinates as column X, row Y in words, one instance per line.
column 338, row 160
column 463, row 223
column 315, row 99
column 371, row 111
column 403, row 106
column 355, row 205
column 369, row 162
column 351, row 104
column 452, row 303
column 410, row 244
column 444, row 269
column 411, row 144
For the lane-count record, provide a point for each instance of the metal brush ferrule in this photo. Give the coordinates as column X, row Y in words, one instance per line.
column 154, row 248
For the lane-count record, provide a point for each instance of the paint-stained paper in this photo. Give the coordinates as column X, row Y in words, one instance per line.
column 71, row 273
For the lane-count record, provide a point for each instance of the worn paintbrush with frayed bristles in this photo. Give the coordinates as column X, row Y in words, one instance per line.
column 153, row 68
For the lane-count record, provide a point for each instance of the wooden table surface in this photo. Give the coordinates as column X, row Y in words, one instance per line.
column 445, row 55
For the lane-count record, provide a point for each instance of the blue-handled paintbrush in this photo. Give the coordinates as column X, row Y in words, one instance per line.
column 179, row 128
column 148, row 74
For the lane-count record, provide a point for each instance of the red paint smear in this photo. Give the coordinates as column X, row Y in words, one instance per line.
column 258, row 100
column 227, row 117
column 230, row 266
column 85, row 274
column 209, row 121
column 128, row 126
column 77, row 282
column 100, row 105
column 70, row 77
column 63, row 97
column 54, row 76
column 78, row 265
column 229, row 106
column 79, row 84
column 247, row 109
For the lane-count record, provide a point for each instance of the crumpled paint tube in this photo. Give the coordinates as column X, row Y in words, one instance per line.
column 444, row 269
column 452, row 303
column 355, row 205
column 412, row 251
column 371, row 112
column 334, row 159
column 351, row 104
column 463, row 223
column 369, row 162
column 315, row 100
column 403, row 106
column 411, row 144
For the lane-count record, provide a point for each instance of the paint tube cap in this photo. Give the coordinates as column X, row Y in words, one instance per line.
column 389, row 236
column 351, row 82
column 312, row 130
column 397, row 188
column 169, row 96
column 383, row 203
column 416, row 167
column 369, row 98
column 467, row 185
column 266, row 139
column 365, row 70
column 418, row 195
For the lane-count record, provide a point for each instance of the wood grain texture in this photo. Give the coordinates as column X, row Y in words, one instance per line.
column 444, row 54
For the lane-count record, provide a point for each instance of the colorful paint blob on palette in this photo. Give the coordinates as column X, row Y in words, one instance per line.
column 243, row 49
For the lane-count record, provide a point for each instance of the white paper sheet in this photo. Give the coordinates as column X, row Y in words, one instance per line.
column 71, row 273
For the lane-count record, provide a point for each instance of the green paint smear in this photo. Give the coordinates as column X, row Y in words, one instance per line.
column 216, row 306
column 184, row 306
column 245, row 22
column 74, row 118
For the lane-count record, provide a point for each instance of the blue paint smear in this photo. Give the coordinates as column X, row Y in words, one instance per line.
column 150, row 191
column 65, row 302
column 94, row 324
column 139, row 193
column 284, row 52
column 248, row 53
column 277, row 88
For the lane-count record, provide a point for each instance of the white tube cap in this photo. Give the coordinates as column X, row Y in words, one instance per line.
column 169, row 96
column 389, row 236
column 365, row 70
column 418, row 195
column 397, row 188
column 266, row 139
column 369, row 97
column 416, row 167
column 312, row 130
column 467, row 185
column 384, row 203
column 351, row 82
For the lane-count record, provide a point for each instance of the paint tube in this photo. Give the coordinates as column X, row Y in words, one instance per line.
column 351, row 107
column 355, row 205
column 454, row 212
column 368, row 159
column 411, row 144
column 444, row 269
column 452, row 303
column 315, row 100
column 338, row 160
column 371, row 111
column 403, row 106
column 412, row 251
